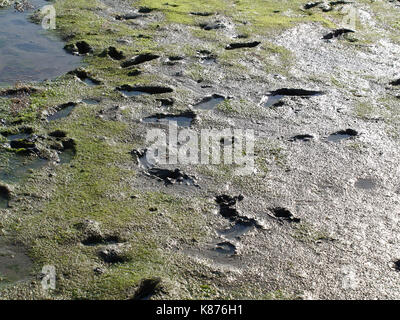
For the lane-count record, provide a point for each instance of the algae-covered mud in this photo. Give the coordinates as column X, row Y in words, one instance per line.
column 199, row 149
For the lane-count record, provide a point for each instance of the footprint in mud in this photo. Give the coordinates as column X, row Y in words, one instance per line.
column 283, row 214
column 114, row 253
column 210, row 103
column 17, row 92
column 147, row 288
column 238, row 229
column 171, row 177
column 342, row 135
column 202, row 14
column 226, row 248
column 130, row 16
column 165, row 103
column 131, row 91
column 227, row 209
column 274, row 97
column 5, row 197
column 20, row 133
column 113, row 53
column 139, row 59
column 81, row 48
column 68, row 151
column 302, row 137
column 241, row 45
column 183, row 119
column 206, row 57
column 93, row 236
column 174, row 60
column 84, row 76
column 62, row 111
column 216, row 25
column 337, row 33
column 365, row 184
column 396, row 265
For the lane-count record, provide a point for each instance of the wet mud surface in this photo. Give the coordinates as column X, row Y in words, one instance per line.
column 317, row 218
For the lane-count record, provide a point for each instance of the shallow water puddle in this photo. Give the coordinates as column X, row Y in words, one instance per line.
column 365, row 184
column 15, row 265
column 28, row 52
column 18, row 167
column 275, row 97
column 183, row 120
column 130, row 91
column 341, row 135
column 63, row 111
column 238, row 229
column 180, row 120
column 209, row 103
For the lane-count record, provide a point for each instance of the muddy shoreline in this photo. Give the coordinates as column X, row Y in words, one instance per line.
column 316, row 219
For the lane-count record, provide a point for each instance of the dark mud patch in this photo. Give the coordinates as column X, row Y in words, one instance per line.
column 183, row 119
column 131, row 91
column 62, row 111
column 365, row 184
column 95, row 240
column 396, row 265
column 241, row 45
column 302, row 137
column 337, row 33
column 395, row 82
column 342, row 135
column 142, row 58
column 273, row 99
column 228, row 210
column 5, row 197
column 311, row 5
column 25, row 146
column 216, row 25
column 165, row 103
column 202, row 14
column 210, row 103
column 171, row 177
column 85, row 77
column 147, row 288
column 296, row 92
column 283, row 214
column 17, row 92
column 130, row 16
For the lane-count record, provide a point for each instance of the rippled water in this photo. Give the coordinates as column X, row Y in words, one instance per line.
column 27, row 51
